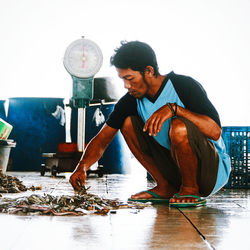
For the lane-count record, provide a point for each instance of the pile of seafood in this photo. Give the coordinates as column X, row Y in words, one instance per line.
column 79, row 204
column 11, row 184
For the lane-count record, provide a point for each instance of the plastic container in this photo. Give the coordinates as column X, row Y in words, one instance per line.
column 5, row 129
column 105, row 88
column 66, row 147
column 37, row 128
column 237, row 141
column 2, row 110
column 5, row 148
column 117, row 157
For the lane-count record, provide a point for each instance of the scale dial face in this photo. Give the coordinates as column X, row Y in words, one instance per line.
column 83, row 58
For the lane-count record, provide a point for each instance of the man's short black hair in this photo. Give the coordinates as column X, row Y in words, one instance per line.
column 135, row 55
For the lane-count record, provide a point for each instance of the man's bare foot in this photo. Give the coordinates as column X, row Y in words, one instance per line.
column 186, row 191
column 163, row 192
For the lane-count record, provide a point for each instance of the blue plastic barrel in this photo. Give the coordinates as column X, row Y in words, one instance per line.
column 38, row 127
column 2, row 110
column 117, row 157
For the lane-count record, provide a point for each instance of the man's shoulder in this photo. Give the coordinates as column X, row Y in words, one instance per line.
column 184, row 82
column 126, row 106
column 178, row 78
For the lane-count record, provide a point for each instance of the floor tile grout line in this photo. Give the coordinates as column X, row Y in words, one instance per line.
column 198, row 231
column 106, row 183
column 54, row 188
column 239, row 205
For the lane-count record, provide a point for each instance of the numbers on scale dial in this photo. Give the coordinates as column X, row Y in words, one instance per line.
column 83, row 59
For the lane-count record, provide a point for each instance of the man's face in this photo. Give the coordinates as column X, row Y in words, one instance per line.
column 133, row 82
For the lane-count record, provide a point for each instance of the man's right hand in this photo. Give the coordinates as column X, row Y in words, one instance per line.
column 92, row 154
column 77, row 179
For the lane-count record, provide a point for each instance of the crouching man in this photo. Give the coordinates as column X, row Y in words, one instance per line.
column 170, row 126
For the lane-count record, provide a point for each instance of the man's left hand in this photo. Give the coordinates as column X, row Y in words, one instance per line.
column 155, row 121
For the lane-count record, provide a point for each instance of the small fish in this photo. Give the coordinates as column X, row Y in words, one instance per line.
column 83, row 189
column 11, row 184
column 76, row 205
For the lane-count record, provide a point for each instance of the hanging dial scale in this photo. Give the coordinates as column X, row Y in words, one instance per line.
column 83, row 59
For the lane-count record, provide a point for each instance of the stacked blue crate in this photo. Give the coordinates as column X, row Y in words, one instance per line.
column 238, row 147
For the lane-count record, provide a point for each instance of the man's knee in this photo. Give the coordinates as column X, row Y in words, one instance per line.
column 178, row 132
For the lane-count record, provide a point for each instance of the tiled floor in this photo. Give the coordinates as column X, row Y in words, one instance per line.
column 223, row 224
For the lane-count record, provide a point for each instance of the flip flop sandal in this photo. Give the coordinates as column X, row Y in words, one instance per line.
column 156, row 198
column 199, row 202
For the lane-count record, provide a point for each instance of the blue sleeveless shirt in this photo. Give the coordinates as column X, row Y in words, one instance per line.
column 146, row 108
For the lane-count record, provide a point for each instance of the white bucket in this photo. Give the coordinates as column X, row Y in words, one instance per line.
column 5, row 147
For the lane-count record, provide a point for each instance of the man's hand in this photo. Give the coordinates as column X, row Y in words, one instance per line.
column 92, row 154
column 155, row 121
column 77, row 179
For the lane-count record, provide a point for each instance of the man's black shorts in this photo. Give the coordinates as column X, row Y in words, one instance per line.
column 204, row 149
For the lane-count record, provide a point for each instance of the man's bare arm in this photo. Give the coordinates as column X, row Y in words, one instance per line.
column 204, row 123
column 92, row 154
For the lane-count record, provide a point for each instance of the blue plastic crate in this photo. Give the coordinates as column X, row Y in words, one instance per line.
column 237, row 141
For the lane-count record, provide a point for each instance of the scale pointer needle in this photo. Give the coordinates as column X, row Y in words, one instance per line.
column 83, row 58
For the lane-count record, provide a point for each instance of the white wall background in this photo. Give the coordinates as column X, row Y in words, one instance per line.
column 206, row 39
